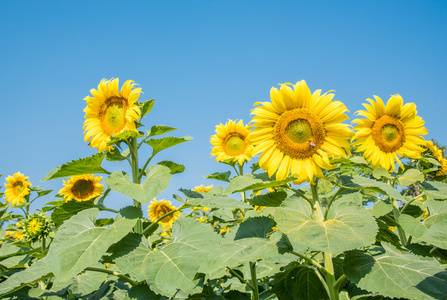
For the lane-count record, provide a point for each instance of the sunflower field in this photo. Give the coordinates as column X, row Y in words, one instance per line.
column 311, row 207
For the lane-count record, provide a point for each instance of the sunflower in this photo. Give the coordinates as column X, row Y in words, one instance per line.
column 437, row 154
column 231, row 142
column 82, row 188
column 36, row 226
column 298, row 131
column 16, row 235
column 110, row 112
column 17, row 188
column 157, row 209
column 388, row 131
column 198, row 189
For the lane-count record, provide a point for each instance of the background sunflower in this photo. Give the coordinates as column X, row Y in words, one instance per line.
column 17, row 187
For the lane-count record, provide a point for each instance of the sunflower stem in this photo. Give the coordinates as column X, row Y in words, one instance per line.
column 328, row 265
column 43, row 244
column 396, row 214
column 311, row 261
column 254, row 281
column 341, row 189
column 241, row 172
column 119, row 275
column 241, row 279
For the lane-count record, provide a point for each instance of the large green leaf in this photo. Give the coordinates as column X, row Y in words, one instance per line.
column 87, row 282
column 358, row 182
column 167, row 142
column 348, row 226
column 81, row 166
column 157, row 179
column 433, row 230
column 174, row 167
column 395, row 273
column 254, row 182
column 170, row 270
column 436, row 190
column 38, row 271
column 79, row 243
column 69, row 209
column 271, row 199
column 410, row 176
column 222, row 176
column 298, row 282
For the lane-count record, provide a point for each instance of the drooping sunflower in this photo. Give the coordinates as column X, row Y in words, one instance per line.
column 110, row 112
column 299, row 131
column 437, row 154
column 158, row 208
column 17, row 187
column 82, row 188
column 389, row 131
column 231, row 142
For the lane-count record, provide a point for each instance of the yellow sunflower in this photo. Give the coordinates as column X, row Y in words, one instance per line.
column 231, row 142
column 437, row 154
column 157, row 209
column 82, row 188
column 16, row 235
column 17, row 188
column 299, row 131
column 110, row 112
column 388, row 131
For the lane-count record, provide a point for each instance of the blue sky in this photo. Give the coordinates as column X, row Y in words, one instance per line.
column 204, row 62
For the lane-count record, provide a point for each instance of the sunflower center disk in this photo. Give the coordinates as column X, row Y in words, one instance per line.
column 298, row 133
column 113, row 118
column 34, row 226
column 388, row 133
column 82, row 188
column 18, row 187
column 234, row 145
column 162, row 211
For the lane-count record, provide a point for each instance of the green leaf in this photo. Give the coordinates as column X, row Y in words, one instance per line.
column 167, row 142
column 271, row 199
column 115, row 155
column 393, row 273
column 358, row 182
column 259, row 227
column 124, row 136
column 171, row 269
column 87, row 282
column 436, row 190
column 81, row 166
column 175, row 168
column 380, row 172
column 217, row 202
column 159, row 129
column 254, row 182
column 79, row 243
column 157, row 179
column 69, row 209
column 432, row 230
column 410, row 176
column 38, row 271
column 222, row 176
column 298, row 282
column 145, row 107
column 348, row 226
column 381, row 208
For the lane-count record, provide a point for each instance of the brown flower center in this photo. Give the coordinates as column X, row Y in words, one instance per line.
column 83, row 189
column 18, row 188
column 388, row 133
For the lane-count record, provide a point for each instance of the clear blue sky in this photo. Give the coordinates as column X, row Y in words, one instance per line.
column 204, row 62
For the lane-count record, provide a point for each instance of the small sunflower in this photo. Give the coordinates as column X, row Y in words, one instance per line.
column 388, row 131
column 231, row 142
column 82, row 188
column 110, row 112
column 17, row 187
column 299, row 131
column 36, row 227
column 159, row 208
column 437, row 154
column 16, row 235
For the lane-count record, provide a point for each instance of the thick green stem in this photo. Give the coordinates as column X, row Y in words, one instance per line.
column 328, row 265
column 119, row 275
column 43, row 244
column 254, row 281
column 311, row 261
column 241, row 172
column 341, row 189
column 396, row 213
column 241, row 279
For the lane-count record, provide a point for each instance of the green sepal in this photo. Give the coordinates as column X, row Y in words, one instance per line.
column 88, row 165
column 124, row 136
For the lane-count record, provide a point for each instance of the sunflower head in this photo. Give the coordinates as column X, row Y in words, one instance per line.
column 82, row 188
column 231, row 142
column 158, row 208
column 17, row 187
column 298, row 131
column 389, row 131
column 110, row 111
column 432, row 150
column 202, row 188
column 15, row 235
column 36, row 227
